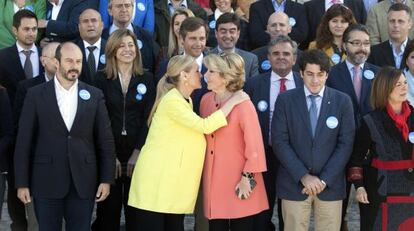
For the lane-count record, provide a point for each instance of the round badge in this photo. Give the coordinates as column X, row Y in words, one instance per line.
column 102, row 59
column 141, row 6
column 84, row 94
column 292, row 21
column 411, row 137
column 332, row 122
column 368, row 74
column 29, row 7
column 265, row 65
column 335, row 58
column 49, row 14
column 262, row 105
column 138, row 97
column 212, row 24
column 141, row 89
column 139, row 42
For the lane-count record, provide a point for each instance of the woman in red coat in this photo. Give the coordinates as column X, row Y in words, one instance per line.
column 233, row 187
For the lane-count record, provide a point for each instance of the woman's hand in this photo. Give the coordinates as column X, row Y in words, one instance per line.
column 238, row 97
column 361, row 195
column 132, row 161
column 118, row 169
column 243, row 188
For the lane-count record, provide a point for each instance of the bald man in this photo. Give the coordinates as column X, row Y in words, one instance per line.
column 91, row 44
column 65, row 155
column 278, row 24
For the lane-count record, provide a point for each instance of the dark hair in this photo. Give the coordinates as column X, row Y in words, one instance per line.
column 400, row 7
column 283, row 39
column 383, row 85
column 58, row 52
column 228, row 18
column 408, row 49
column 213, row 6
column 324, row 37
column 314, row 56
column 354, row 27
column 19, row 15
column 192, row 24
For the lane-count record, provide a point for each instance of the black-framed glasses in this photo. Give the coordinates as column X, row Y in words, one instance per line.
column 359, row 43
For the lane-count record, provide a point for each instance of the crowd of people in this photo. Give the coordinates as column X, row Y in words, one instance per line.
column 225, row 109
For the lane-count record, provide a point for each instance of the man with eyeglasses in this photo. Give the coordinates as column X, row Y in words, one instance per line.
column 390, row 52
column 354, row 77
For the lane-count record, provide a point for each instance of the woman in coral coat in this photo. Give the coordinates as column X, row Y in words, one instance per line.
column 233, row 187
column 167, row 175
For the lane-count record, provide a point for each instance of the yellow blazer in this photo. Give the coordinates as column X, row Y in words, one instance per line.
column 168, row 170
column 328, row 51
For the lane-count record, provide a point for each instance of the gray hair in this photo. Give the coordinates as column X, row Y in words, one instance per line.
column 283, row 39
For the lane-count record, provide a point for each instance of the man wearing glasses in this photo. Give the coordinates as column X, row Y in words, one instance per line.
column 354, row 77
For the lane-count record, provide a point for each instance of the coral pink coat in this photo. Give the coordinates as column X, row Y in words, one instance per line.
column 231, row 150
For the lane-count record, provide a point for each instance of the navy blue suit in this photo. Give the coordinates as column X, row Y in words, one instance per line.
column 6, row 129
column 382, row 55
column 324, row 155
column 149, row 49
column 85, row 75
column 65, row 27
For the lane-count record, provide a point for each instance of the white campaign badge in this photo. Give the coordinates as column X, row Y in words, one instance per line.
column 332, row 122
column 335, row 58
column 141, row 6
column 292, row 21
column 411, row 137
column 141, row 89
column 265, row 65
column 368, row 74
column 262, row 105
column 102, row 59
column 84, row 94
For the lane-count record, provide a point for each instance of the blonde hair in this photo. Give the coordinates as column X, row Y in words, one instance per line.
column 231, row 68
column 112, row 47
column 171, row 78
column 172, row 39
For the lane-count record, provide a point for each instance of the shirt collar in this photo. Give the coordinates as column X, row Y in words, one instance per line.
column 351, row 66
column 403, row 45
column 20, row 49
column 221, row 50
column 283, row 3
column 308, row 93
column 275, row 77
column 60, row 88
column 218, row 13
column 114, row 28
column 97, row 44
column 60, row 2
column 393, row 2
column 183, row 3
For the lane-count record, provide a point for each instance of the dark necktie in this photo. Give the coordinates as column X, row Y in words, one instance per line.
column 313, row 113
column 27, row 67
column 91, row 61
column 282, row 85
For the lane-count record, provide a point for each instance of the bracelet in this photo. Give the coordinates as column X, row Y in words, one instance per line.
column 248, row 175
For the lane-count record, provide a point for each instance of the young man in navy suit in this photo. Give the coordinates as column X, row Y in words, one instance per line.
column 65, row 154
column 263, row 90
column 312, row 136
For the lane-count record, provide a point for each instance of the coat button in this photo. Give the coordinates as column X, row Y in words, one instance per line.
column 410, row 170
column 69, row 137
column 212, row 136
column 211, row 152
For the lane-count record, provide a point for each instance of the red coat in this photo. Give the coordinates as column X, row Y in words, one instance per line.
column 231, row 150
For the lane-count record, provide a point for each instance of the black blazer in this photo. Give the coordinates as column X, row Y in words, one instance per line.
column 264, row 65
column 6, row 129
column 381, row 55
column 48, row 157
column 258, row 88
column 11, row 70
column 149, row 50
column 315, row 9
column 65, row 27
column 130, row 112
column 86, row 76
column 260, row 12
column 340, row 79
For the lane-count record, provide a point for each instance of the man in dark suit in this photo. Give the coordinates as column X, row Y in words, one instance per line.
column 312, row 136
column 19, row 62
column 260, row 12
column 62, row 18
column 390, row 52
column 65, row 150
column 278, row 24
column 121, row 12
column 227, row 34
column 354, row 77
column 91, row 44
column 315, row 9
column 263, row 90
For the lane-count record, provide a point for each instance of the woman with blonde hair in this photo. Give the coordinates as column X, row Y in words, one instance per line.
column 167, row 175
column 129, row 95
column 233, row 186
column 174, row 46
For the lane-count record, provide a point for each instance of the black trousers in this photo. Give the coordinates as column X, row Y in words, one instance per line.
column 153, row 221
column 15, row 207
column 108, row 212
column 263, row 221
column 76, row 211
column 239, row 224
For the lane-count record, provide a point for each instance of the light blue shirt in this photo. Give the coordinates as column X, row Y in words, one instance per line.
column 279, row 8
column 398, row 56
column 171, row 9
column 318, row 100
column 410, row 82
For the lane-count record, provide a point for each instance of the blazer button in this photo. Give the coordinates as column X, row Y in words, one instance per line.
column 212, row 136
column 211, row 152
column 410, row 170
column 69, row 137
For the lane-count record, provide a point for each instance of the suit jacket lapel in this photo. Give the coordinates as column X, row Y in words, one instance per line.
column 265, row 90
column 366, row 85
column 15, row 60
column 347, row 81
column 303, row 109
column 326, row 103
column 388, row 53
column 51, row 102
column 101, row 52
column 81, row 107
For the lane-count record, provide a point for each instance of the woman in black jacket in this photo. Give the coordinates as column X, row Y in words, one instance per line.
column 129, row 94
column 382, row 161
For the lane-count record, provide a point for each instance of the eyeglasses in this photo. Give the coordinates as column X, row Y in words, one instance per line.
column 123, row 5
column 358, row 43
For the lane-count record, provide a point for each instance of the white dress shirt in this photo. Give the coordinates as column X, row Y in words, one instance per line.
column 56, row 10
column 34, row 58
column 318, row 100
column 67, row 101
column 114, row 28
column 398, row 56
column 350, row 67
column 95, row 52
column 328, row 3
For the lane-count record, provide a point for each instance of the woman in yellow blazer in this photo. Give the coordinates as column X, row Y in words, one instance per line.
column 167, row 175
column 330, row 32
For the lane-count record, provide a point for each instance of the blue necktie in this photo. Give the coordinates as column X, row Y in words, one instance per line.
column 313, row 113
